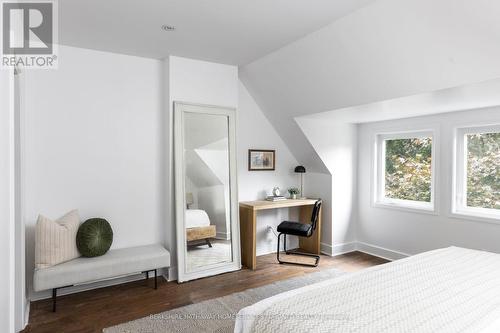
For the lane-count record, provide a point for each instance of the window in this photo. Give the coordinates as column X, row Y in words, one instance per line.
column 477, row 172
column 405, row 170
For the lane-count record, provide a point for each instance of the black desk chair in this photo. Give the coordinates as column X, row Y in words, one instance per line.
column 302, row 230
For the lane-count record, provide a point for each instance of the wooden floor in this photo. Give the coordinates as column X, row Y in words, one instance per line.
column 91, row 311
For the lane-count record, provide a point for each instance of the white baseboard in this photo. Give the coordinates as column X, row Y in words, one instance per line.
column 343, row 248
column 379, row 251
column 26, row 313
column 374, row 250
column 338, row 249
column 172, row 274
column 222, row 235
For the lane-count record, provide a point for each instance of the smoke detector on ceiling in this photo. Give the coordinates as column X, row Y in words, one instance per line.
column 167, row 27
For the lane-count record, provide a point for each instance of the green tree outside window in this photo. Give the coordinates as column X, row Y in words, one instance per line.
column 483, row 170
column 408, row 169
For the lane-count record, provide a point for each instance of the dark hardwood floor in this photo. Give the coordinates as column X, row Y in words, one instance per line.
column 91, row 311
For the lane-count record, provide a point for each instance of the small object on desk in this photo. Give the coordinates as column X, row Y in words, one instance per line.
column 275, row 198
column 293, row 191
column 276, row 191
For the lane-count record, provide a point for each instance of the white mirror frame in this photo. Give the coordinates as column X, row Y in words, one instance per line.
column 180, row 108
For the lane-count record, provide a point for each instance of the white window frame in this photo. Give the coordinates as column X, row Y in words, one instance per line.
column 459, row 197
column 379, row 198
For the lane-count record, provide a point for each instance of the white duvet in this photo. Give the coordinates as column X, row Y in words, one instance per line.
column 446, row 290
column 196, row 218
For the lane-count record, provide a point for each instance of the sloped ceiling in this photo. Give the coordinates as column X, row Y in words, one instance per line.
column 198, row 172
column 389, row 49
column 205, row 143
column 216, row 157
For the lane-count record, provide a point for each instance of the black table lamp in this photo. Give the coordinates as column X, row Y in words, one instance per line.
column 300, row 169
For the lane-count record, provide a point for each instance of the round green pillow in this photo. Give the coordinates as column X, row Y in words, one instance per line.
column 94, row 237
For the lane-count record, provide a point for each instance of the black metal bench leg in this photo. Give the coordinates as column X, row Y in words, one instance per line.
column 208, row 242
column 156, row 277
column 54, row 297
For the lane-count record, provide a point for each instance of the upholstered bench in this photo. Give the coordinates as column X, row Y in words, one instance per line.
column 115, row 263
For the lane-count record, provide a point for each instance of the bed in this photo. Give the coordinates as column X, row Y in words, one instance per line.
column 446, row 290
column 198, row 227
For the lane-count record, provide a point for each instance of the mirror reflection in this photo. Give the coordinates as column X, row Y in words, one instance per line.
column 207, row 189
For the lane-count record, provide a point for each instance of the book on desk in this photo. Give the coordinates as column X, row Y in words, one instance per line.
column 275, row 198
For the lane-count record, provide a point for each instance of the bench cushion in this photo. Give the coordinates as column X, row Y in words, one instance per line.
column 114, row 263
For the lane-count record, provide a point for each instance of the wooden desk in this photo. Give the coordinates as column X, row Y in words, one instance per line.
column 248, row 221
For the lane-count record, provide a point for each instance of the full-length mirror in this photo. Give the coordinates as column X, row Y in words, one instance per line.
column 205, row 188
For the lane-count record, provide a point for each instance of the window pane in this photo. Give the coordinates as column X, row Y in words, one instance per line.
column 483, row 170
column 408, row 169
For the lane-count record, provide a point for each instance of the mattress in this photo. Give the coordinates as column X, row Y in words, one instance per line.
column 446, row 290
column 196, row 218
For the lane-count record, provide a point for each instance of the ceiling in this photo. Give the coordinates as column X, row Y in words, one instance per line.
column 225, row 31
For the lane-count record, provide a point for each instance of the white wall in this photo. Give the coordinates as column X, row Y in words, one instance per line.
column 336, row 144
column 202, row 82
column 7, row 244
column 93, row 141
column 404, row 232
column 13, row 301
column 21, row 301
column 333, row 240
column 256, row 132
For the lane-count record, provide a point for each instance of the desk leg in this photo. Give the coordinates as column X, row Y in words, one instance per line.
column 248, row 237
column 313, row 243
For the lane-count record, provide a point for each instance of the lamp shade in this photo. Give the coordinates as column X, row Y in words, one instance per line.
column 189, row 198
column 300, row 169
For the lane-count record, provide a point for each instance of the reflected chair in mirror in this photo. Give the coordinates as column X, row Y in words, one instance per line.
column 302, row 230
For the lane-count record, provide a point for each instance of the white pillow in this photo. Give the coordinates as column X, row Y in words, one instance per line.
column 55, row 241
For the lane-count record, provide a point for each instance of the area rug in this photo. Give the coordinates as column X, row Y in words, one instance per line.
column 218, row 314
column 199, row 256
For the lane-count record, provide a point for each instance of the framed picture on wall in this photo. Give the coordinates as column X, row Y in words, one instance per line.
column 261, row 160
